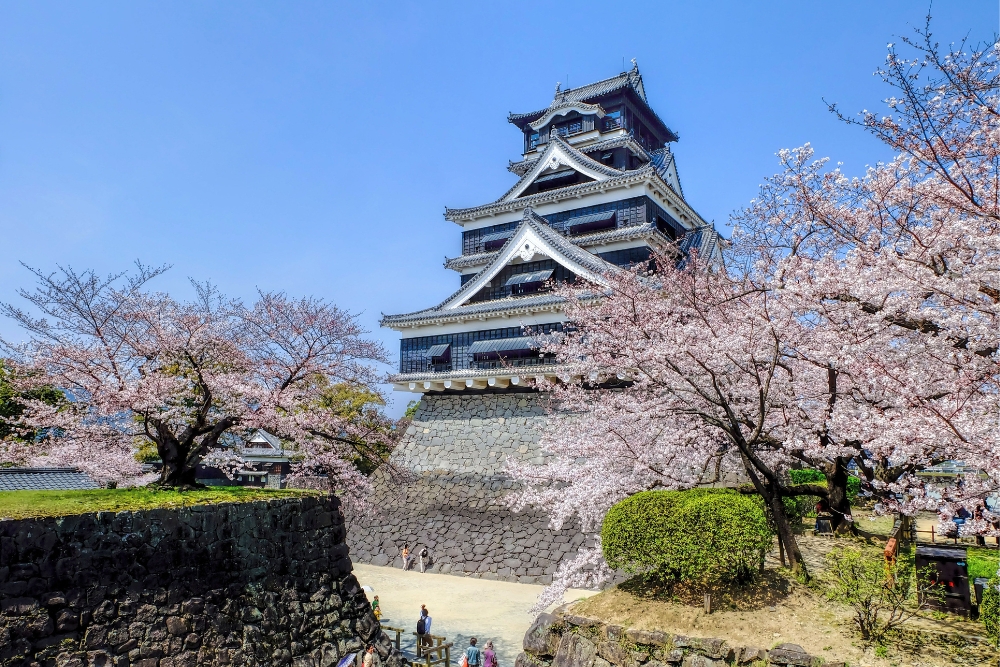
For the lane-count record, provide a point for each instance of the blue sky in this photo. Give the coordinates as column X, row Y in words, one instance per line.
column 311, row 147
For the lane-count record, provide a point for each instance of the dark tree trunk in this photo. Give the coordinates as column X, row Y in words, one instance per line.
column 177, row 477
column 177, row 471
column 836, row 497
column 180, row 453
column 772, row 500
column 786, row 536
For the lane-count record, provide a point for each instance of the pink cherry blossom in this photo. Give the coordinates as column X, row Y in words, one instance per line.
column 854, row 322
column 140, row 366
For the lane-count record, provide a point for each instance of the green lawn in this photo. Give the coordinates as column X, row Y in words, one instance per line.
column 981, row 562
column 24, row 504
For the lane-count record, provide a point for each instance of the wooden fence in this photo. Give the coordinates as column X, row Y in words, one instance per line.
column 432, row 650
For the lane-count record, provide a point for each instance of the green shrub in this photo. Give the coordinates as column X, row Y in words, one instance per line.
column 701, row 535
column 989, row 610
column 880, row 594
column 798, row 507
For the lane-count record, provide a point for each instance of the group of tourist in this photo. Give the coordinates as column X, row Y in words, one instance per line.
column 407, row 555
column 472, row 657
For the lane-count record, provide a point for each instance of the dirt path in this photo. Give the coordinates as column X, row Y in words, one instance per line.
column 461, row 607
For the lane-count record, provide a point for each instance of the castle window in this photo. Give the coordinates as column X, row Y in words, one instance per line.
column 532, row 140
column 439, row 354
column 503, row 348
column 496, row 240
column 556, row 179
column 593, row 222
column 527, row 283
column 613, row 120
column 608, row 159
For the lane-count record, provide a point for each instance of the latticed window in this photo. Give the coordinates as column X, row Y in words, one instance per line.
column 451, row 352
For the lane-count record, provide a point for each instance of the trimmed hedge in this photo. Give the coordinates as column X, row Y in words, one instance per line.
column 701, row 535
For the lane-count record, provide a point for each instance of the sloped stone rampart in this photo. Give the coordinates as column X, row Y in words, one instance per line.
column 264, row 583
column 456, row 450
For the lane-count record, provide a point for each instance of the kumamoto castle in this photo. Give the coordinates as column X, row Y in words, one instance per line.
column 597, row 187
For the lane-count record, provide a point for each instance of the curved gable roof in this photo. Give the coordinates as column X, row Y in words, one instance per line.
column 532, row 237
column 630, row 79
column 563, row 108
column 560, row 153
column 627, row 140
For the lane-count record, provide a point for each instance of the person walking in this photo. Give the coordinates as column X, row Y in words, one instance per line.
column 423, row 559
column 473, row 656
column 424, row 628
column 405, row 553
column 489, row 656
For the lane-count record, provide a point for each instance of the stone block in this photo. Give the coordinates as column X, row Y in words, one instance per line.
column 575, row 651
column 792, row 655
column 646, row 637
column 748, row 654
column 541, row 639
column 696, row 660
column 712, row 647
column 613, row 652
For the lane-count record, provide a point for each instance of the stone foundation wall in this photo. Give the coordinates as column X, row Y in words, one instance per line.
column 562, row 639
column 456, row 449
column 264, row 583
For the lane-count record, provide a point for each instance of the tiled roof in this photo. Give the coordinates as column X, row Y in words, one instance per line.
column 563, row 107
column 706, row 240
column 564, row 247
column 522, row 167
column 634, row 175
column 663, row 159
column 272, row 439
column 631, row 79
column 646, row 230
column 581, row 162
column 526, row 371
column 44, row 479
column 511, row 304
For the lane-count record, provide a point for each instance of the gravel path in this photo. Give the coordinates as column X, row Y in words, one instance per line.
column 461, row 607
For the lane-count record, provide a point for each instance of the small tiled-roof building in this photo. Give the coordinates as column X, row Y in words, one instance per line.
column 44, row 479
column 265, row 463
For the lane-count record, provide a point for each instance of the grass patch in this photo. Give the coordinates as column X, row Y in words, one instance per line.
column 27, row 504
column 981, row 562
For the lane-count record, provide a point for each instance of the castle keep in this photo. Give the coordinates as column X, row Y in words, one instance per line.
column 597, row 189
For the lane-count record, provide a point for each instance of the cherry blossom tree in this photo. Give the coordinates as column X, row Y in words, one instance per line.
column 670, row 379
column 899, row 271
column 138, row 366
column 855, row 322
